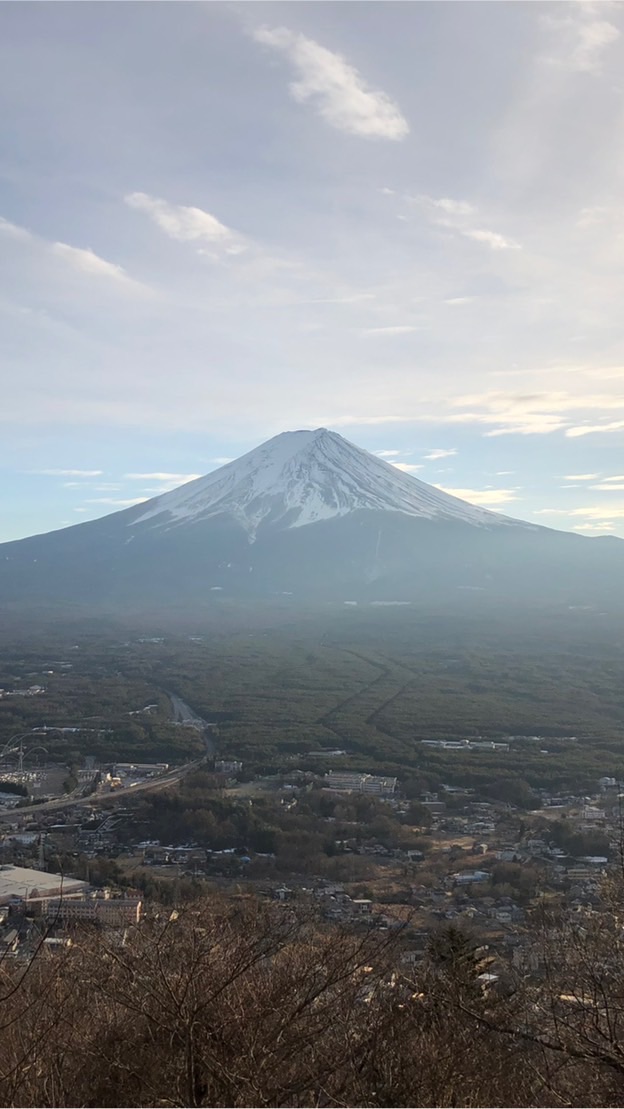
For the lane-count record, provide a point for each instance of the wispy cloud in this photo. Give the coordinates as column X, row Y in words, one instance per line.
column 187, row 224
column 87, row 261
column 595, row 529
column 594, row 429
column 84, row 260
column 13, row 231
column 68, row 473
column 335, row 88
column 487, row 498
column 450, row 206
column 594, row 512
column 580, row 40
column 407, row 467
column 178, row 479
column 538, row 413
column 458, row 216
column 446, row 205
column 117, row 502
column 397, row 329
column 490, row 238
column 434, row 455
column 388, row 454
column 580, row 477
column 350, row 298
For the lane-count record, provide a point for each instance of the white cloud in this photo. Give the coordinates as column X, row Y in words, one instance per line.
column 68, row 473
column 86, row 261
column 12, row 231
column 581, row 477
column 179, row 479
column 335, row 87
column 444, row 204
column 593, row 38
column 351, row 298
column 597, row 512
column 360, row 420
column 117, row 502
column 397, row 329
column 581, row 39
column 456, row 216
column 407, row 467
column 491, row 239
column 487, row 498
column 222, row 461
column 594, row 429
column 595, row 529
column 454, row 207
column 533, row 424
column 592, row 216
column 608, row 487
column 388, row 454
column 459, row 300
column 434, row 455
column 187, row 224
column 537, row 413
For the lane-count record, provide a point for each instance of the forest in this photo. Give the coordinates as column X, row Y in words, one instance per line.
column 281, row 686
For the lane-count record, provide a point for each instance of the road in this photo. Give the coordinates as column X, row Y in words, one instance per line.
column 182, row 713
column 96, row 800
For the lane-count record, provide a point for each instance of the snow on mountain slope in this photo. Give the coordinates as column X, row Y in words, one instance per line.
column 302, row 477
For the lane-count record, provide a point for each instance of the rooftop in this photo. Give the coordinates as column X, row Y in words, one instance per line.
column 21, row 881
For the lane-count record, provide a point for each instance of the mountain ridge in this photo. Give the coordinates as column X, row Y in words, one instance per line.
column 310, row 516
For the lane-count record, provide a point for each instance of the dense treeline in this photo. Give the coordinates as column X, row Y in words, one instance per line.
column 246, row 1004
column 371, row 685
column 300, row 837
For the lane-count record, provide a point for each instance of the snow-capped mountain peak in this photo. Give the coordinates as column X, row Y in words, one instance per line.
column 303, row 477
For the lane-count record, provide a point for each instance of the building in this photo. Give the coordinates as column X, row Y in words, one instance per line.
column 354, row 782
column 20, row 882
column 228, row 766
column 469, row 876
column 361, row 906
column 112, row 911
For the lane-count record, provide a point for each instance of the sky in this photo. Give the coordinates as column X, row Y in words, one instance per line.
column 403, row 222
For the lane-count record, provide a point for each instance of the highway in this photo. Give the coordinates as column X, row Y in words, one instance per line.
column 182, row 713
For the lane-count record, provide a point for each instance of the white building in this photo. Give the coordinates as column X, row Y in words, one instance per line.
column 350, row 782
column 35, row 885
column 113, row 911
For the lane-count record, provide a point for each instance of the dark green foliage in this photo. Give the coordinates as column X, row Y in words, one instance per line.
column 13, row 787
column 281, row 686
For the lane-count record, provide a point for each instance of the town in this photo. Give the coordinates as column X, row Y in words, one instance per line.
column 409, row 864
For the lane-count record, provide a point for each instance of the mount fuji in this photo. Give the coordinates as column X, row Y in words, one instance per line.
column 312, row 516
